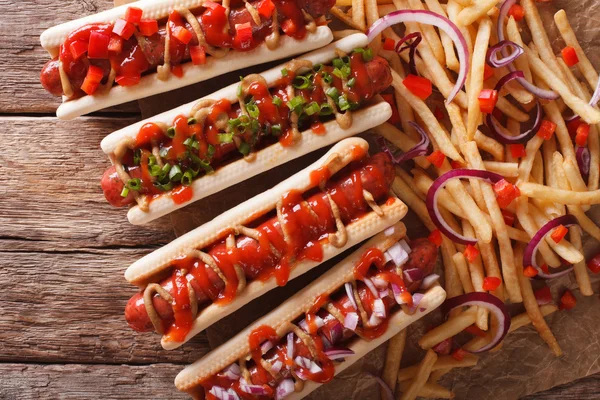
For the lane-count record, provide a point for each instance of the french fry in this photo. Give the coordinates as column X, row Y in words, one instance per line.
column 557, row 83
column 580, row 269
column 437, row 375
column 442, row 363
column 430, row 34
column 372, row 14
column 346, row 3
column 548, row 149
column 453, row 8
column 559, row 195
column 476, row 11
column 405, row 176
column 344, row 32
column 531, row 228
column 412, row 200
column 358, row 14
column 445, row 200
column 575, row 179
column 463, row 272
column 451, row 281
column 475, row 77
column 453, row 326
column 400, row 140
column 566, row 32
column 526, row 164
column 476, row 278
column 393, row 357
column 537, row 169
column 513, row 34
column 486, row 143
column 435, row 129
column 423, row 372
column 449, row 53
column 342, row 16
column 531, row 306
column 506, row 169
column 429, row 390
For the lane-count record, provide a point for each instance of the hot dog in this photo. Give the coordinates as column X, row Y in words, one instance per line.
column 265, row 120
column 348, row 311
column 211, row 271
column 125, row 46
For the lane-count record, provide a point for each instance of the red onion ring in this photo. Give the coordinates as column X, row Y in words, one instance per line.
column 532, row 247
column 434, row 190
column 350, row 293
column 337, row 353
column 416, row 36
column 488, row 301
column 583, row 160
column 420, row 149
column 388, row 394
column 500, row 47
column 530, row 87
column 429, row 18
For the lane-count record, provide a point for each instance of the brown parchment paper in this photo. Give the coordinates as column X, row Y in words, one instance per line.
column 522, row 367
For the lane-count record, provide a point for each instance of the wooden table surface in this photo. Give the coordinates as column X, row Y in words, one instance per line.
column 63, row 249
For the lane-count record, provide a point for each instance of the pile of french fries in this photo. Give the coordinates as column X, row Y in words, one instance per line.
column 547, row 175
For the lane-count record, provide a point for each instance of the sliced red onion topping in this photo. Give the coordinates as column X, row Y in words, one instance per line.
column 350, row 293
column 491, row 303
column 222, row 394
column 379, row 308
column 596, row 96
column 416, row 39
column 302, row 361
column 429, row 281
column 429, row 18
column 233, row 372
column 529, row 256
column 397, row 294
column 318, row 322
column 266, row 346
column 530, row 87
column 290, row 345
column 284, row 389
column 413, row 275
column 371, row 286
column 417, row 297
column 351, row 321
column 338, row 353
column 432, row 195
column 420, row 149
column 276, row 366
column 326, row 342
column 374, row 320
column 259, row 390
column 336, row 331
column 583, row 160
column 379, row 282
column 501, row 48
column 405, row 246
column 314, row 368
column 385, row 389
column 384, row 293
column 397, row 254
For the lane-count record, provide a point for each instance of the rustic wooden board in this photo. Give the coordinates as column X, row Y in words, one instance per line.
column 21, row 23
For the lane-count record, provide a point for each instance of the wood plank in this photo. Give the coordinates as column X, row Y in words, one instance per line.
column 50, row 188
column 68, row 308
column 21, row 23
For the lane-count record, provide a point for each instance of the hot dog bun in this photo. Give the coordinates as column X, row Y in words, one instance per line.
column 298, row 304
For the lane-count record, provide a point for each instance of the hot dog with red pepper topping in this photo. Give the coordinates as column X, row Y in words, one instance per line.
column 213, row 270
column 248, row 124
column 126, row 44
column 345, row 313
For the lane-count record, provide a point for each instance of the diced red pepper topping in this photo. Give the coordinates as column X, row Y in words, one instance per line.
column 78, row 48
column 582, row 133
column 115, row 45
column 133, row 15
column 471, row 253
column 594, row 264
column 123, row 28
column 266, row 8
column 198, row 55
column 530, row 272
column 459, row 354
column 547, row 129
column 181, row 34
column 567, row 301
column 390, row 99
column 569, row 55
column 559, row 233
column 506, row 192
column 509, row 218
column 177, row 70
column 544, row 268
column 389, row 44
column 128, row 80
column 573, row 125
column 488, row 72
column 92, row 79
column 435, row 237
column 491, row 283
column 474, row 330
column 487, row 100
column 436, row 158
column 543, row 295
column 244, row 32
column 289, row 27
column 517, row 150
column 456, row 164
column 148, row 27
column 438, row 113
column 419, row 86
column 517, row 12
column 98, row 45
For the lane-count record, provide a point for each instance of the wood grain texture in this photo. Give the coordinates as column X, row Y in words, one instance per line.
column 21, row 23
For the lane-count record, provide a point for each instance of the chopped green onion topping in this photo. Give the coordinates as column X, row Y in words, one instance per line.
column 312, row 108
column 171, row 132
column 164, row 186
column 239, row 90
column 134, row 184
column 276, row 130
column 137, row 157
column 175, row 173
column 343, row 103
column 125, row 191
column 333, row 93
column 188, row 142
column 165, row 169
column 186, row 179
column 351, row 82
column 301, row 82
column 225, row 137
column 151, row 160
column 253, row 110
column 277, row 101
column 367, row 55
column 244, row 148
column 155, row 170
column 191, row 121
column 326, row 109
column 254, row 126
column 337, row 63
column 210, row 152
column 296, row 103
column 317, row 67
column 164, row 151
column 284, row 72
